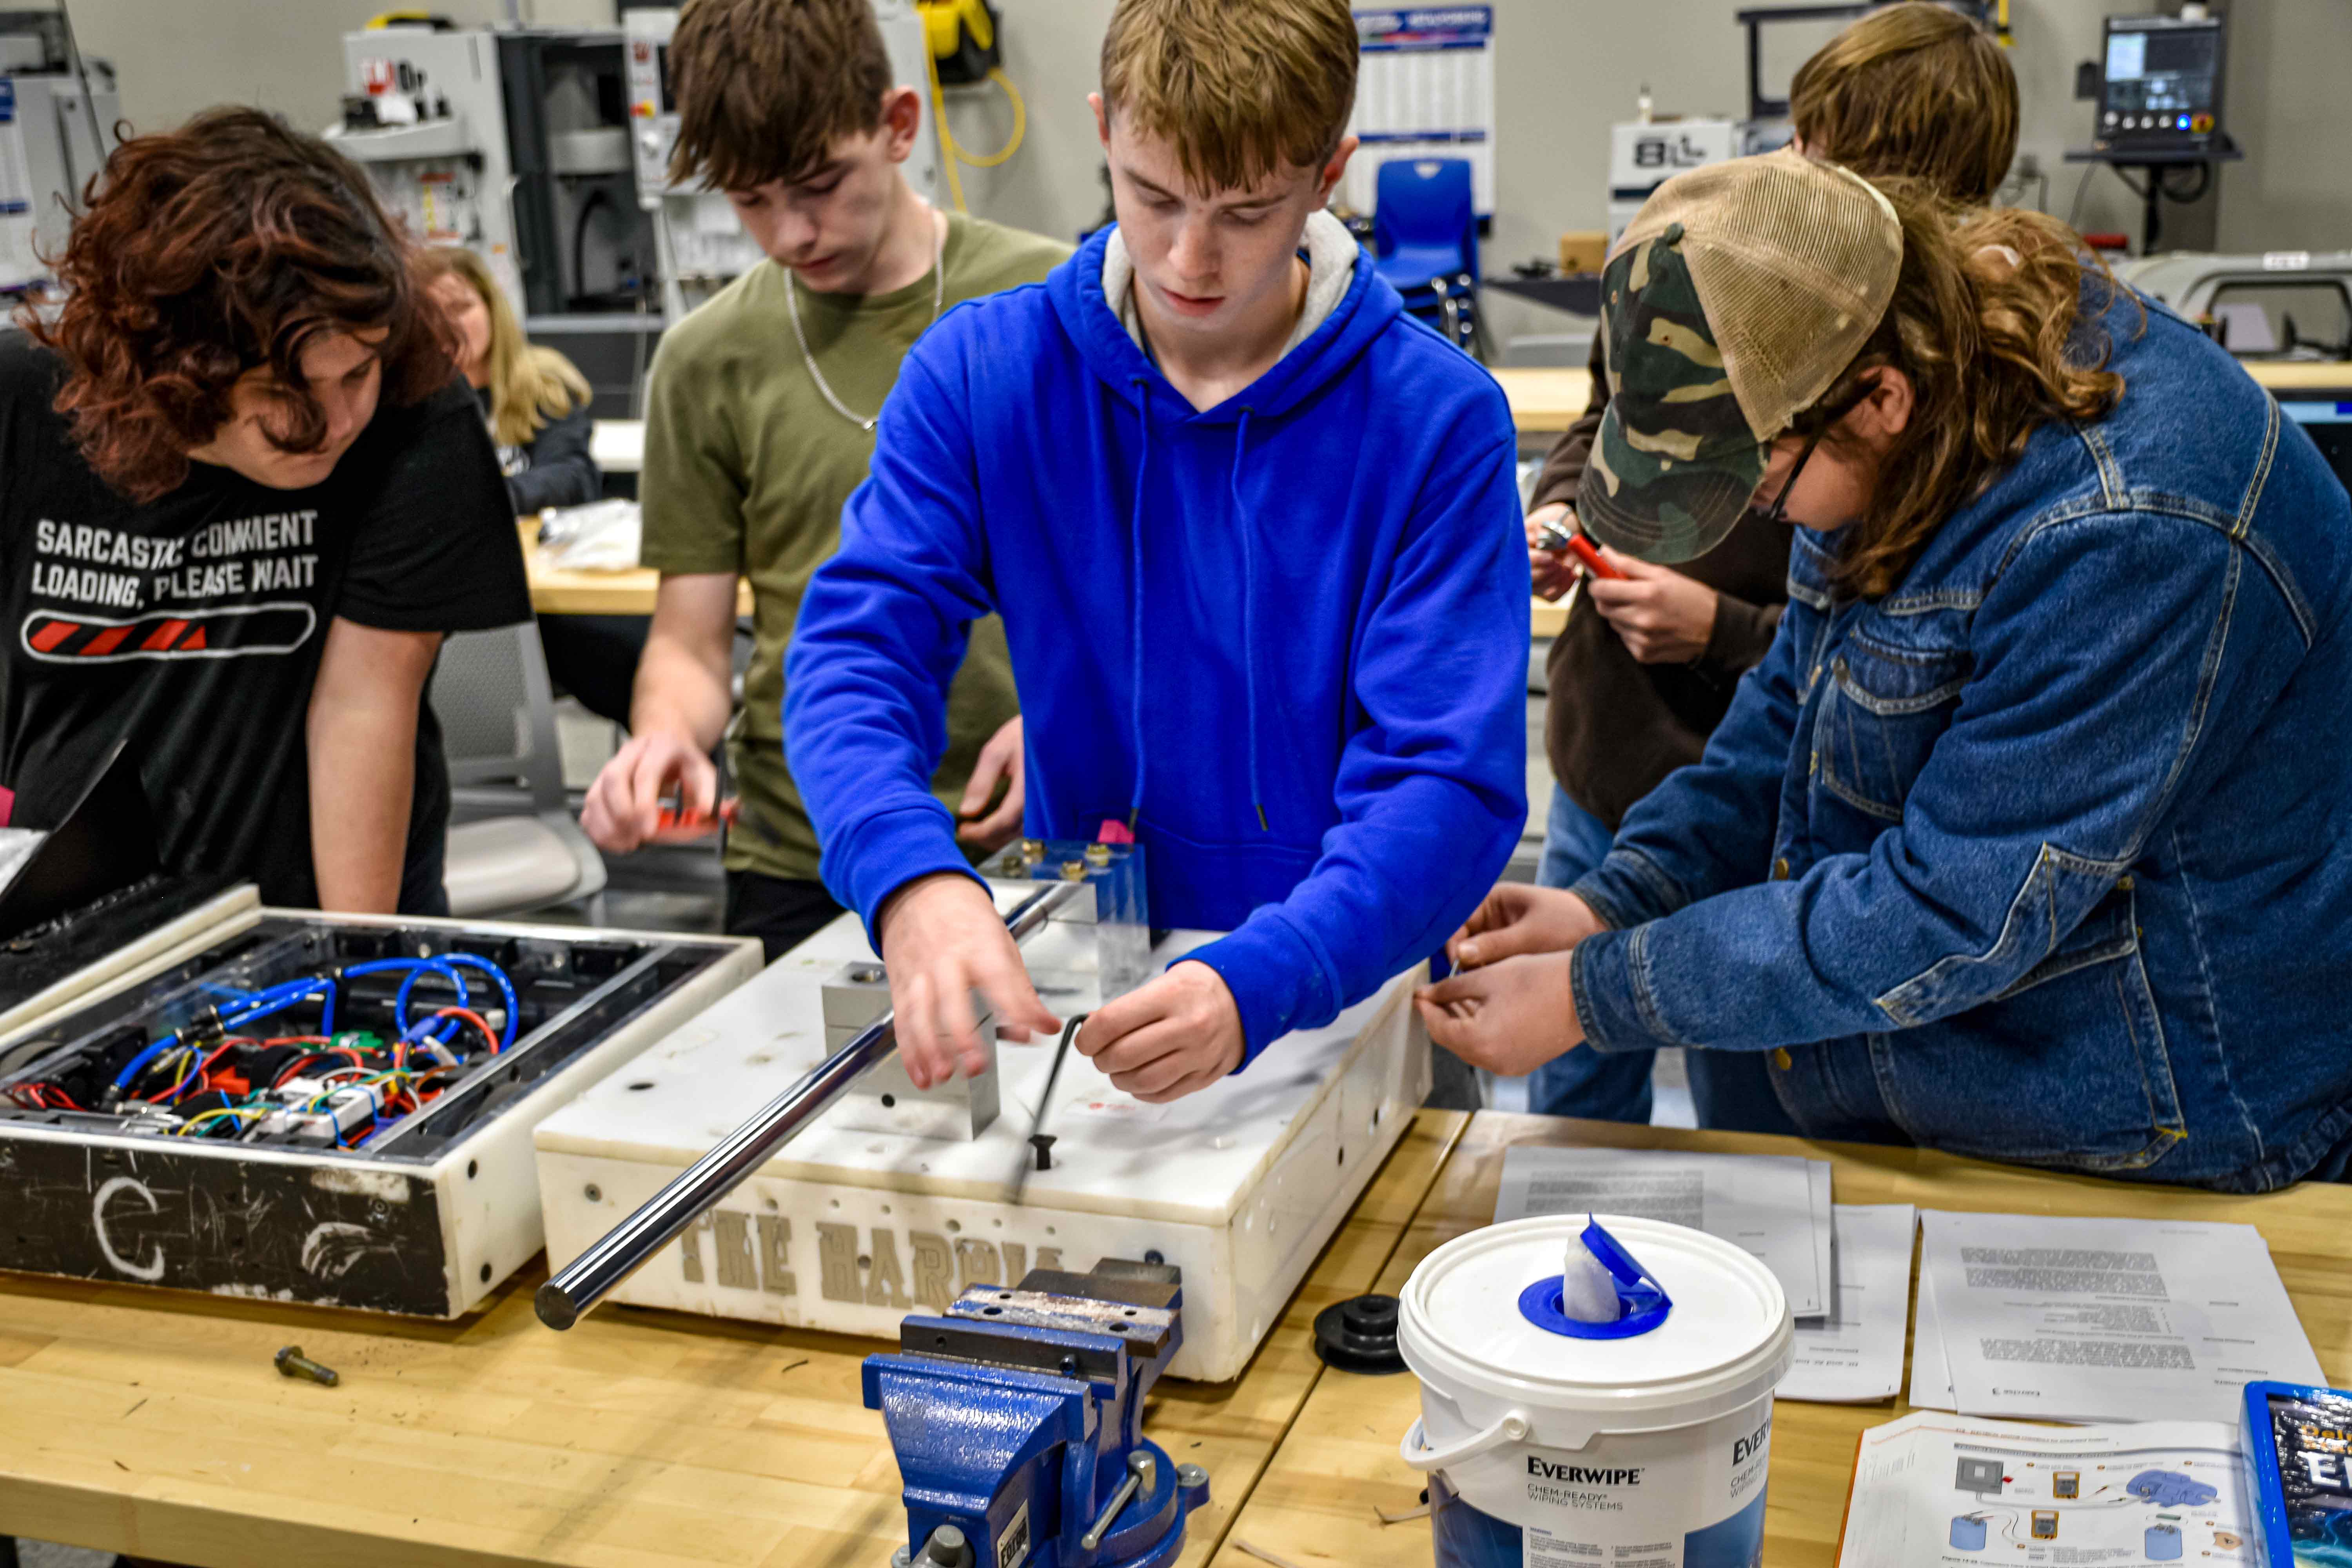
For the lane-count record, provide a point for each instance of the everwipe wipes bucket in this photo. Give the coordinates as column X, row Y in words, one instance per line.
column 1562, row 1442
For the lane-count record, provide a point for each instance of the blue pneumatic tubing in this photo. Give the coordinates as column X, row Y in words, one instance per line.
column 237, row 1014
column 506, row 989
column 414, row 967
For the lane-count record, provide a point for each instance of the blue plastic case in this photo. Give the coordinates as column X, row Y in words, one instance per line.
column 2298, row 1453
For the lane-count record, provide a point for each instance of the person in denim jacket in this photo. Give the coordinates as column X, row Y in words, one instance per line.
column 2027, row 839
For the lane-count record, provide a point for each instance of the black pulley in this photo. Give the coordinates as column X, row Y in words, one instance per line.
column 1360, row 1335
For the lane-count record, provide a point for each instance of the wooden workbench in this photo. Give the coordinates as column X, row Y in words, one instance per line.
column 153, row 1422
column 630, row 592
column 1314, row 1506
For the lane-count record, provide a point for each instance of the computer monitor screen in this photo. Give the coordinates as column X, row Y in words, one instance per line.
column 2328, row 422
column 2163, row 79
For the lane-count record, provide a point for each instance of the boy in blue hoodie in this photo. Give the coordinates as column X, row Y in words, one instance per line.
column 1253, row 535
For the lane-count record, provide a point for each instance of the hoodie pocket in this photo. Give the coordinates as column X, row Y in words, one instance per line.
column 1213, row 884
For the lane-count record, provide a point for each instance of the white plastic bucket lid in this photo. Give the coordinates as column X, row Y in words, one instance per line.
column 1727, row 1343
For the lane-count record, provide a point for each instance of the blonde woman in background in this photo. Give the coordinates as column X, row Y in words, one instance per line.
column 536, row 403
column 536, row 400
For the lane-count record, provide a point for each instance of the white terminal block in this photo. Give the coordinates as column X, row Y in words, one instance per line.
column 848, row 1228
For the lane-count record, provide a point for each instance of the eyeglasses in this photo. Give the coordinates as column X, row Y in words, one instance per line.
column 1779, row 512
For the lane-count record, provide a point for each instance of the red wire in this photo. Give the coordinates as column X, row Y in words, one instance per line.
column 197, row 1077
column 474, row 1018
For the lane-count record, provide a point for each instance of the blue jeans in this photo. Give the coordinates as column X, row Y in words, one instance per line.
column 1611, row 1087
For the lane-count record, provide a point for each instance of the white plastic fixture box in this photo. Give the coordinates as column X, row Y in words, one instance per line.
column 426, row 1223
column 848, row 1231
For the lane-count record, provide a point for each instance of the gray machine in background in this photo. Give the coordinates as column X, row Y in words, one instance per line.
column 701, row 246
column 53, row 139
column 2284, row 304
column 513, row 142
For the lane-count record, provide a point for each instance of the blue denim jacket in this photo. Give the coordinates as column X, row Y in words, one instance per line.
column 2043, row 857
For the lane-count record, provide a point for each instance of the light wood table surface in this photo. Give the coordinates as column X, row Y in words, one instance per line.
column 1314, row 1507
column 630, row 592
column 153, row 1422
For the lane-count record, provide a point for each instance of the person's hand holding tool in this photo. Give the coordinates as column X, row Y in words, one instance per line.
column 1663, row 616
column 1516, row 919
column 1168, row 1038
column 941, row 940
column 1554, row 569
column 1510, row 1018
column 1001, row 759
column 625, row 805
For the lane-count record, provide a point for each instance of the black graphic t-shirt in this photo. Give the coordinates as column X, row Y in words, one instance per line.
column 191, row 627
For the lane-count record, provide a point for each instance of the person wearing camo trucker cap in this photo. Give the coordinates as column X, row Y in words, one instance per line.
column 2028, row 838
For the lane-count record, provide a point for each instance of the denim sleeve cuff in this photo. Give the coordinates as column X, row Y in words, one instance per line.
column 885, row 852
column 1626, row 889
column 1613, row 1006
column 1279, row 984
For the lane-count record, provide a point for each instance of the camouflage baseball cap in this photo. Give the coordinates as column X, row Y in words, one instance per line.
column 1736, row 297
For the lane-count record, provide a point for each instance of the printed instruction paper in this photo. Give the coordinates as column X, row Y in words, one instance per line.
column 1855, row 1353
column 1948, row 1491
column 2108, row 1320
column 1762, row 1203
column 1931, row 1373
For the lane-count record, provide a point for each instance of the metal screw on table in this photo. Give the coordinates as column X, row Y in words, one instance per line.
column 1190, row 1475
column 946, row 1547
column 294, row 1364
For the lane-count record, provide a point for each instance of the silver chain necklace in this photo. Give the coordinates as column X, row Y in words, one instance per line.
column 792, row 307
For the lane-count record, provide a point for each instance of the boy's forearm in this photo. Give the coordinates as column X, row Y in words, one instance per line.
column 361, row 738
column 686, row 675
column 677, row 692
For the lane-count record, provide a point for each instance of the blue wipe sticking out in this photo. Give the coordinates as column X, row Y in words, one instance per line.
column 1642, row 1303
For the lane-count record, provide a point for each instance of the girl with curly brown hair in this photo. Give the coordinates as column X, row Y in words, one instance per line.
column 242, row 498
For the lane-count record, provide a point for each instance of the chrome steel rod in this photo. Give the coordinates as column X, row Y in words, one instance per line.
column 580, row 1284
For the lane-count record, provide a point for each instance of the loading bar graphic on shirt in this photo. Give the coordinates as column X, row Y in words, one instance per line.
column 231, row 632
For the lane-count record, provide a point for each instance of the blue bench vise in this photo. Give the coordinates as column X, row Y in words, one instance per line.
column 1017, row 1420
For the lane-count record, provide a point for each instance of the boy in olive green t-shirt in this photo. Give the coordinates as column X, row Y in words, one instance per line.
column 760, row 423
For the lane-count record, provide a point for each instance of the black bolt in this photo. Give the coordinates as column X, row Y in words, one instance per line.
column 293, row 1363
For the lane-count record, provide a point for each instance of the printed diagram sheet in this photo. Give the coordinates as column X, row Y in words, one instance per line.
column 1855, row 1353
column 1948, row 1490
column 2104, row 1320
column 1775, row 1208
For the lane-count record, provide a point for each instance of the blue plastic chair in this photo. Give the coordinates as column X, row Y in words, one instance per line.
column 1425, row 241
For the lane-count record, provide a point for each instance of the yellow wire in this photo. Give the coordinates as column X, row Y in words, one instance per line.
column 953, row 153
column 1012, row 142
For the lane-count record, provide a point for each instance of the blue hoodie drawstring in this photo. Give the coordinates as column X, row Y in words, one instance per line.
column 1249, row 614
column 1135, row 534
